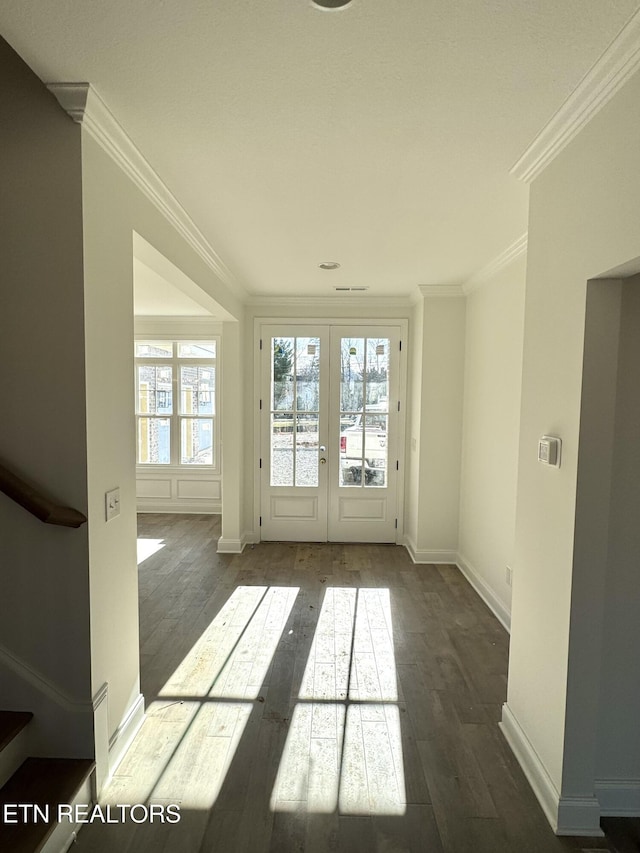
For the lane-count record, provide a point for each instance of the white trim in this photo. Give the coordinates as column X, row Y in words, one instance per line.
column 231, row 546
column 249, row 537
column 121, row 739
column 510, row 254
column 533, row 768
column 499, row 609
column 42, row 684
column 100, row 696
column 614, row 67
column 101, row 736
column 618, row 797
column 567, row 815
column 428, row 558
column 180, row 507
column 85, row 106
column 329, row 302
column 579, row 816
column 428, row 290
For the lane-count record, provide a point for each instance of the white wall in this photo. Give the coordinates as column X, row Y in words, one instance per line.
column 491, row 423
column 584, row 221
column 414, row 421
column 436, row 424
column 44, row 614
column 113, row 209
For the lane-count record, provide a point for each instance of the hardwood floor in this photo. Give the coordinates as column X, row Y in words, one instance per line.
column 319, row 698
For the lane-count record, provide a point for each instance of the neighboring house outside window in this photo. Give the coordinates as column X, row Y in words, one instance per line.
column 176, row 404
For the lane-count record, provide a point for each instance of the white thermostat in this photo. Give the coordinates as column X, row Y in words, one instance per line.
column 549, row 448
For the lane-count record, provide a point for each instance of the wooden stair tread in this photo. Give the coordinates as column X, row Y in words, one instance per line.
column 45, row 782
column 11, row 724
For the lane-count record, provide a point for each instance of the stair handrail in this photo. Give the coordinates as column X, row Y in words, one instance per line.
column 38, row 504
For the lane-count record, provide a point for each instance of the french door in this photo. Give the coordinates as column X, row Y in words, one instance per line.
column 330, row 437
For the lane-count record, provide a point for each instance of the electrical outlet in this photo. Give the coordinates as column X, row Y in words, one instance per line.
column 509, row 575
column 112, row 504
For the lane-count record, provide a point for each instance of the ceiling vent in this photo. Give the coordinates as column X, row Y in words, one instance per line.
column 350, row 289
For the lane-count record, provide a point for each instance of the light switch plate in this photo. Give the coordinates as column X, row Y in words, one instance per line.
column 112, row 504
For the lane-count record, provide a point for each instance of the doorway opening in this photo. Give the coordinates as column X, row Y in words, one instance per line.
column 331, row 432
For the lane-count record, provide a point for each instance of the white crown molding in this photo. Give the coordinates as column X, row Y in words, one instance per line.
column 330, row 301
column 439, row 290
column 510, row 254
column 611, row 71
column 85, row 106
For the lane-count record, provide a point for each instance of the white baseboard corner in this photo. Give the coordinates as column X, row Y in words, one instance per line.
column 579, row 816
column 495, row 605
column 121, row 739
column 230, row 546
column 567, row 815
column 428, row 558
column 618, row 797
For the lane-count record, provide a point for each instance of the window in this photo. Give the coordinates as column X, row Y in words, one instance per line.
column 176, row 403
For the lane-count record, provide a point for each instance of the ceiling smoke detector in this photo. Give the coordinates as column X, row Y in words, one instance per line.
column 329, row 265
column 331, row 4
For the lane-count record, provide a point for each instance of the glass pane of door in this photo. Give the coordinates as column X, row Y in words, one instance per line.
column 295, row 410
column 364, row 410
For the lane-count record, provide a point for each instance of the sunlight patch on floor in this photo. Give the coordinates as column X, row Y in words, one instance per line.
column 190, row 735
column 344, row 746
column 148, row 547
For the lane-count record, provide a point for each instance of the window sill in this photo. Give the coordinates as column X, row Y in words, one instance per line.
column 177, row 469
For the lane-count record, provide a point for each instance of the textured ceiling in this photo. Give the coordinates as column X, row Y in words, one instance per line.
column 380, row 135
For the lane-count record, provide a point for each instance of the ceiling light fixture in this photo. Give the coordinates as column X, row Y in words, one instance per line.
column 330, row 4
column 329, row 265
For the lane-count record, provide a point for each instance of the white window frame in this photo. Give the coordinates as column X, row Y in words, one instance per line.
column 175, row 362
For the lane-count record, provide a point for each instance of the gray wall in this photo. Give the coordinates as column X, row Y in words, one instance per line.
column 44, row 610
column 619, row 729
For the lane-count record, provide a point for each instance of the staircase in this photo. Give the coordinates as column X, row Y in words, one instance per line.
column 41, row 782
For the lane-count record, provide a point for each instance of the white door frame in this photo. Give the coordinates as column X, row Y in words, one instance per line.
column 403, row 325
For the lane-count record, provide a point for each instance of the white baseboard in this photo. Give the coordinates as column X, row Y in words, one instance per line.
column 618, row 797
column 250, row 538
column 579, row 816
column 121, row 739
column 432, row 557
column 180, row 507
column 497, row 607
column 230, row 546
column 567, row 815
